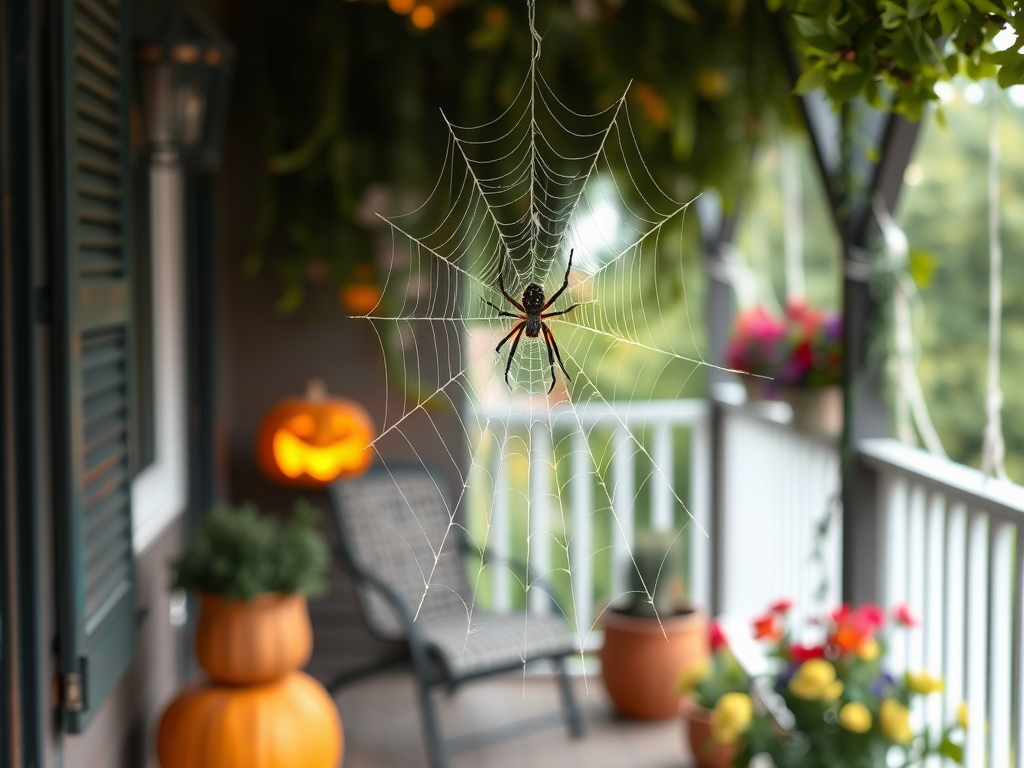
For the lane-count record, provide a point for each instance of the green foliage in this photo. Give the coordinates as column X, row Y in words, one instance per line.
column 655, row 573
column 346, row 98
column 871, row 48
column 239, row 554
column 724, row 675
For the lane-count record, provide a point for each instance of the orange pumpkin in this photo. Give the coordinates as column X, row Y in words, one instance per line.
column 290, row 723
column 250, row 643
column 313, row 440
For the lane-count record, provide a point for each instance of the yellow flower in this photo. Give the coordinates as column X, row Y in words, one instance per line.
column 691, row 678
column 730, row 717
column 855, row 717
column 922, row 682
column 963, row 716
column 868, row 650
column 834, row 691
column 812, row 679
column 895, row 721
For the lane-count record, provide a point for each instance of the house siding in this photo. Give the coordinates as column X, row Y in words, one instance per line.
column 122, row 734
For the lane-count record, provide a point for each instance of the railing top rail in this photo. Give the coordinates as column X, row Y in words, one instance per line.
column 956, row 482
column 630, row 413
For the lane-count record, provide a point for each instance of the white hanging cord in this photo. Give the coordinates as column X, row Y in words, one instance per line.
column 910, row 406
column 793, row 219
column 739, row 275
column 993, row 449
column 760, row 263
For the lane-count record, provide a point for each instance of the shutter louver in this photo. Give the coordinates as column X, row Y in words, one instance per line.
column 93, row 366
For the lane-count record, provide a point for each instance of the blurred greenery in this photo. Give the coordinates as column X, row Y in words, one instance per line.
column 345, row 97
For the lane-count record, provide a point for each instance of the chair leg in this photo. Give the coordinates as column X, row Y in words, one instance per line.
column 571, row 712
column 431, row 728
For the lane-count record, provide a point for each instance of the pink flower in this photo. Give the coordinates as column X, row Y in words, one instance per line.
column 717, row 638
column 901, row 615
column 872, row 616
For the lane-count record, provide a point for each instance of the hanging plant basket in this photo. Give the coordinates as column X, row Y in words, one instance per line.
column 817, row 410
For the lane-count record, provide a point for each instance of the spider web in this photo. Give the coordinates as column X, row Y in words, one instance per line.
column 514, row 197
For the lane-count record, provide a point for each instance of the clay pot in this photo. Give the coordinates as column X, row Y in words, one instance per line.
column 242, row 643
column 640, row 662
column 816, row 410
column 707, row 752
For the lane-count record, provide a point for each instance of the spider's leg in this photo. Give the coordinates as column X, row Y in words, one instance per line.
column 551, row 357
column 556, row 314
column 501, row 312
column 501, row 285
column 551, row 335
column 512, row 352
column 565, row 285
column 509, row 336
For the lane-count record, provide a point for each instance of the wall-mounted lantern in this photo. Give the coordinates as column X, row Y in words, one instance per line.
column 184, row 71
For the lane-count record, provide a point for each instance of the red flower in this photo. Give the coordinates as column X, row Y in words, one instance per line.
column 781, row 606
column 801, row 653
column 717, row 637
column 768, row 627
column 841, row 613
column 901, row 615
column 848, row 637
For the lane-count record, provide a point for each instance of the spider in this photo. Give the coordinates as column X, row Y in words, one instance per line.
column 533, row 317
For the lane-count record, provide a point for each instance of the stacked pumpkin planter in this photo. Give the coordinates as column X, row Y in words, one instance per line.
column 256, row 710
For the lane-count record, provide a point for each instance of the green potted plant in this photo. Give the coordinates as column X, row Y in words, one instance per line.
column 704, row 686
column 253, row 574
column 655, row 635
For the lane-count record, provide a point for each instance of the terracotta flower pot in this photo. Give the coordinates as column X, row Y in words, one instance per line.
column 816, row 410
column 707, row 752
column 640, row 663
column 250, row 643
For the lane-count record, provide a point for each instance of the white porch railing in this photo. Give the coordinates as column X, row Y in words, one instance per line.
column 582, row 460
column 777, row 484
column 953, row 544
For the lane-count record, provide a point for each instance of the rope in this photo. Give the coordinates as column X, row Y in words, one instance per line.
column 993, row 449
column 910, row 406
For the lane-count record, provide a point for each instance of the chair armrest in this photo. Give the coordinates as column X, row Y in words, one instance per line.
column 518, row 566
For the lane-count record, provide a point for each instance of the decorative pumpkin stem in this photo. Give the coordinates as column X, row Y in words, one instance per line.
column 316, row 391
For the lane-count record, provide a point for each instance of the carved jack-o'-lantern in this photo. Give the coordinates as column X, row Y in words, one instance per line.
column 313, row 440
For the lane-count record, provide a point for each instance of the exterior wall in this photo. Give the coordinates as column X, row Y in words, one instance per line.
column 123, row 732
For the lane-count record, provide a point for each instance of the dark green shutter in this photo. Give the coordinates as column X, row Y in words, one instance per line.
column 93, row 348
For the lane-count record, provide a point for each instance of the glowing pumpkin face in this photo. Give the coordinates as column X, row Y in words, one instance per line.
column 313, row 440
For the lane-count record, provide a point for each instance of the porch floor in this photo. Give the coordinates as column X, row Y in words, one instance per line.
column 382, row 727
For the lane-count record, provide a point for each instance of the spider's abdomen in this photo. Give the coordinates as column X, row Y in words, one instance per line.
column 533, row 303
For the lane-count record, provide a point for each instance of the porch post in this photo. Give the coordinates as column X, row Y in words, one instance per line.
column 864, row 409
column 716, row 230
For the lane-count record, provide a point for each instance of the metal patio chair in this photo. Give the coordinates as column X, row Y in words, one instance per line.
column 389, row 522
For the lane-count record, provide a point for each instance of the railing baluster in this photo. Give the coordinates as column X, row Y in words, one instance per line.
column 699, row 503
column 661, row 478
column 977, row 634
column 500, row 536
column 915, row 559
column 955, row 581
column 1000, row 662
column 895, row 489
column 581, row 547
column 933, row 615
column 623, row 472
column 1017, row 726
column 541, row 464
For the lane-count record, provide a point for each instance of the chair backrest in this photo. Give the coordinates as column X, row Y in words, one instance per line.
column 396, row 525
